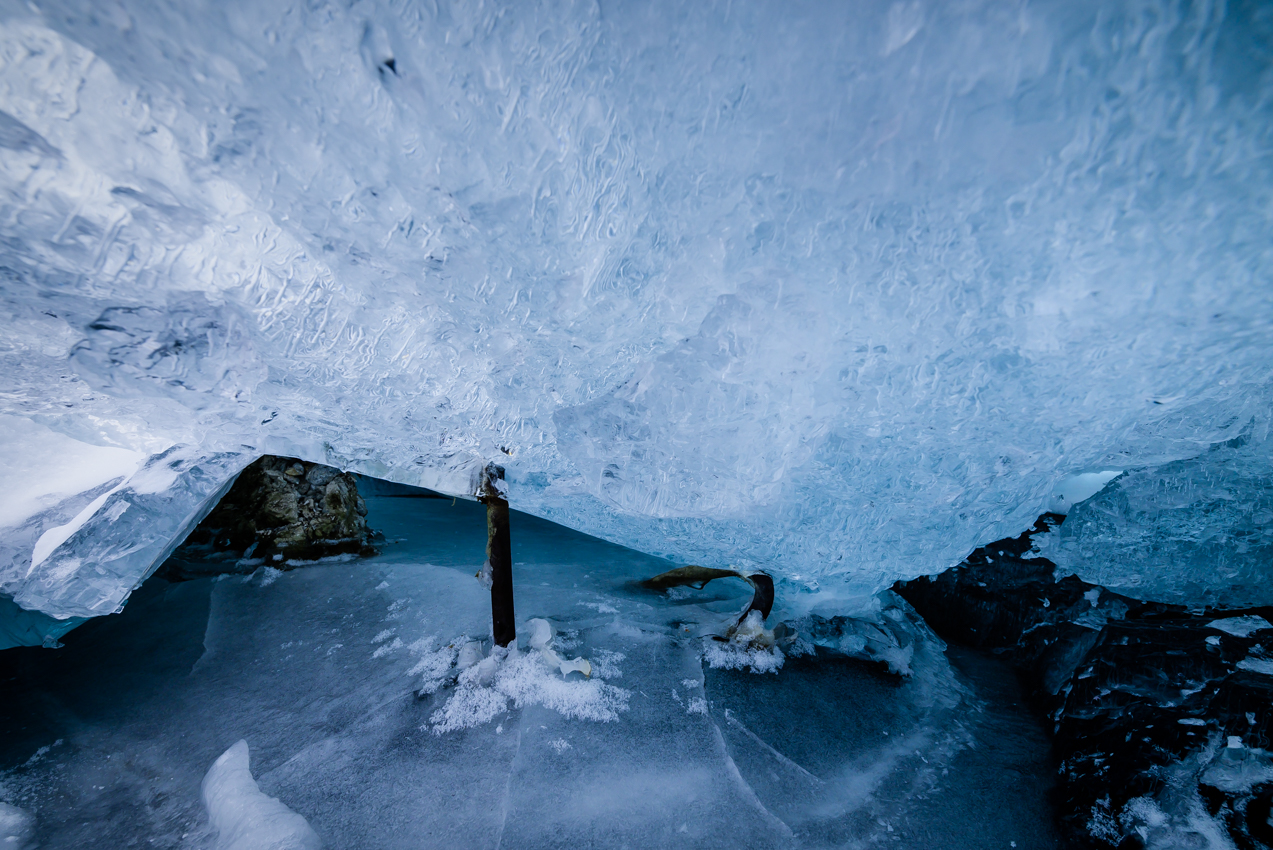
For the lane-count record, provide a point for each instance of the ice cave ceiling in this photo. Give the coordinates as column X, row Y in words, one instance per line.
column 838, row 289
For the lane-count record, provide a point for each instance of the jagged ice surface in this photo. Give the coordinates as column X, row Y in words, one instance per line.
column 840, row 290
column 1205, row 524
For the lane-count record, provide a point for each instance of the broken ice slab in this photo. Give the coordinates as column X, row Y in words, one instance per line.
column 1195, row 532
column 89, row 566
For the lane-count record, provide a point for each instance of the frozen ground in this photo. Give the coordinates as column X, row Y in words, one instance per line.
column 107, row 740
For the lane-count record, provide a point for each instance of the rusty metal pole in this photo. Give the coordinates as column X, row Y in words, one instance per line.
column 499, row 553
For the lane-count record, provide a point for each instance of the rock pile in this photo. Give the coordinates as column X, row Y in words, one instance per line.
column 1162, row 717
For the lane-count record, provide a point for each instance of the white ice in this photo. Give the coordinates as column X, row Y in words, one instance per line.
column 43, row 467
column 243, row 817
column 842, row 290
column 17, row 828
column 1078, row 488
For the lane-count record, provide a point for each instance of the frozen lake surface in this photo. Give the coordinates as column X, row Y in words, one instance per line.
column 320, row 670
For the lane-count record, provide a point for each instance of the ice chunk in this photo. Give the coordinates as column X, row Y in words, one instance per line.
column 44, row 468
column 1196, row 532
column 243, row 817
column 114, row 543
column 1238, row 769
column 1257, row 664
column 1076, row 488
column 890, row 635
column 540, row 633
column 17, row 828
column 541, row 639
column 1243, row 626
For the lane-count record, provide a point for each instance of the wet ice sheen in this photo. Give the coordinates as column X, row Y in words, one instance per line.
column 840, row 290
column 658, row 749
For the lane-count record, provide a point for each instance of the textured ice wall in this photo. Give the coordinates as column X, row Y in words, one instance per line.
column 839, row 289
column 1196, row 532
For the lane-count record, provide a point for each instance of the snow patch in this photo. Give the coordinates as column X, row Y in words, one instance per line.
column 749, row 645
column 244, row 817
column 605, row 664
column 387, row 648
column 435, row 662
column 17, row 828
column 266, row 576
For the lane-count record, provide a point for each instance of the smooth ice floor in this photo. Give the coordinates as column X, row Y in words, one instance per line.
column 106, row 740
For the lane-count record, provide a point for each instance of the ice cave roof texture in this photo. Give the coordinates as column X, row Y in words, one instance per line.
column 839, row 290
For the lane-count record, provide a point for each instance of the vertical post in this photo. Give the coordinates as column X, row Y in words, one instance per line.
column 499, row 553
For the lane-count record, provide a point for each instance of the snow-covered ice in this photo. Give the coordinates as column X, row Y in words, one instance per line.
column 17, row 828
column 839, row 290
column 360, row 690
column 242, row 817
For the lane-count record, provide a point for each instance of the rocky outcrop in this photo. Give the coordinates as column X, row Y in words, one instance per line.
column 1162, row 717
column 280, row 512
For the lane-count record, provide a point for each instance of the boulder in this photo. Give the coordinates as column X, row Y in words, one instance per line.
column 281, row 512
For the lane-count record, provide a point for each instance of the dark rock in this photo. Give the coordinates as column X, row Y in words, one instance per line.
column 1152, row 714
column 280, row 511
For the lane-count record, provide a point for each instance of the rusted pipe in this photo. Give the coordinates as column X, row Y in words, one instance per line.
column 499, row 554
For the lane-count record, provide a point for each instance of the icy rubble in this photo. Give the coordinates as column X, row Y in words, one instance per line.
column 839, row 291
column 1141, row 696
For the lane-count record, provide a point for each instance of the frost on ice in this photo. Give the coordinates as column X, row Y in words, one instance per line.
column 480, row 688
column 487, row 690
column 838, row 291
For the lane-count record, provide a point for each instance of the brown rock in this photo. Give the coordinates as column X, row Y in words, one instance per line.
column 279, row 512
